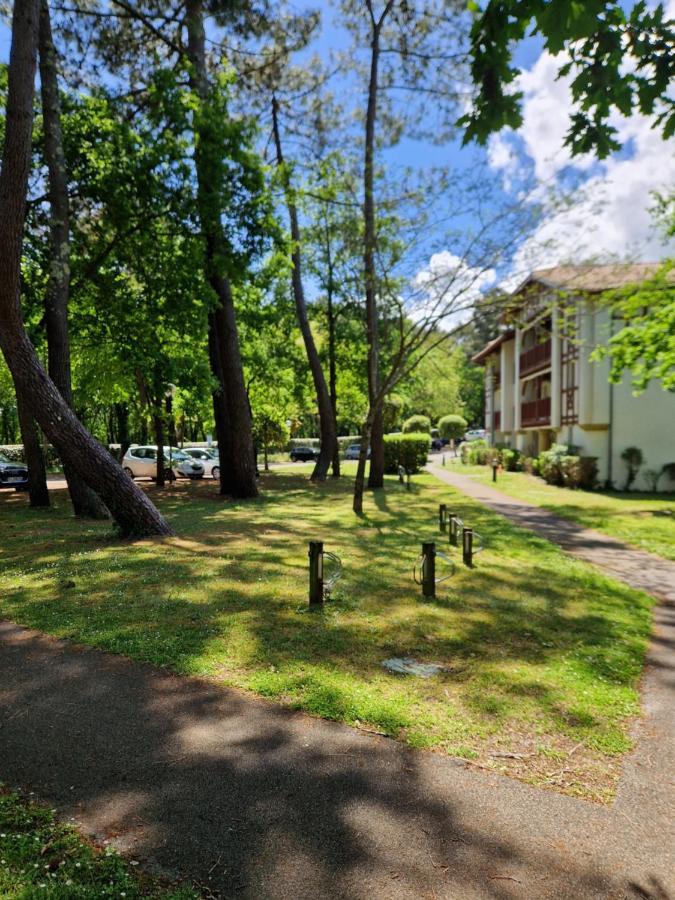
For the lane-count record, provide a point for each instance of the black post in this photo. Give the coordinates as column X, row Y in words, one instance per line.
column 442, row 516
column 467, row 547
column 494, row 471
column 315, row 572
column 429, row 569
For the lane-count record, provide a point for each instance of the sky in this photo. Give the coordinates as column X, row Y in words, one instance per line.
column 607, row 216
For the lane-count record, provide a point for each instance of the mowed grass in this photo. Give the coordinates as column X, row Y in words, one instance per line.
column 645, row 521
column 541, row 653
column 41, row 857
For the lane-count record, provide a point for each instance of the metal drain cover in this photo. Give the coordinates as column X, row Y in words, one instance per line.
column 406, row 665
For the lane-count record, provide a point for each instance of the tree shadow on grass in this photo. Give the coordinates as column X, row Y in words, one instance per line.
column 256, row 802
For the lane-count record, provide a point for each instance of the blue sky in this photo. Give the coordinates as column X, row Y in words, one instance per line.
column 606, row 218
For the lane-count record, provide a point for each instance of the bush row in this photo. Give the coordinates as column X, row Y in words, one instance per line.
column 560, row 465
column 408, row 450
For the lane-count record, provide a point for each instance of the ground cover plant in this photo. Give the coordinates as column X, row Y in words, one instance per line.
column 41, row 857
column 541, row 653
column 644, row 520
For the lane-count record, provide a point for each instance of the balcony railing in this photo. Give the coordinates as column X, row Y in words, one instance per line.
column 535, row 412
column 537, row 357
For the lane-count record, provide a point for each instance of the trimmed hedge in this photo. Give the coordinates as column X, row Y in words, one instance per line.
column 417, row 425
column 408, row 450
column 452, row 427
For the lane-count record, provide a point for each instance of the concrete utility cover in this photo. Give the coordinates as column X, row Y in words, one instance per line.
column 406, row 665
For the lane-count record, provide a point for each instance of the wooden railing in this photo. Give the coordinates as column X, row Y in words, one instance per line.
column 537, row 357
column 535, row 412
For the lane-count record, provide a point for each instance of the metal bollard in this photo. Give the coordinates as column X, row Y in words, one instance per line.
column 494, row 471
column 443, row 459
column 429, row 569
column 442, row 518
column 467, row 547
column 315, row 572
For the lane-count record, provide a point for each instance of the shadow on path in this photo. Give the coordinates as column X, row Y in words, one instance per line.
column 260, row 802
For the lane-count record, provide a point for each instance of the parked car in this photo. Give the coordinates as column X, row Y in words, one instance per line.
column 475, row 434
column 141, row 462
column 13, row 475
column 208, row 457
column 353, row 451
column 437, row 444
column 304, row 454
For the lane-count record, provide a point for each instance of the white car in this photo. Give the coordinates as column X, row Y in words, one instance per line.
column 208, row 457
column 141, row 462
column 475, row 434
column 353, row 451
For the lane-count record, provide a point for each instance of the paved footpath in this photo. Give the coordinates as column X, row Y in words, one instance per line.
column 259, row 802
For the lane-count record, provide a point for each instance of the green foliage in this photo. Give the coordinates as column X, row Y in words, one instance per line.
column 644, row 345
column 634, row 459
column 620, row 60
column 417, row 423
column 512, row 460
column 452, row 427
column 562, row 467
column 410, row 450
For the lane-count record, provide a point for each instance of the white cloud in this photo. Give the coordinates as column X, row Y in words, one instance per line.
column 448, row 288
column 609, row 214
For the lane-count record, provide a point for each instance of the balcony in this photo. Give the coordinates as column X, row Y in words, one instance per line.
column 535, row 412
column 497, row 419
column 537, row 357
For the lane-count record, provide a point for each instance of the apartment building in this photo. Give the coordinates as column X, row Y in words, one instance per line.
column 541, row 386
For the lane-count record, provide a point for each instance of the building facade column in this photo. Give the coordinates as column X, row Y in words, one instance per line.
column 556, row 368
column 507, row 391
column 585, row 365
column 516, row 381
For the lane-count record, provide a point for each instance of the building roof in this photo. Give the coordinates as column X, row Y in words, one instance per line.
column 591, row 279
column 587, row 279
column 493, row 345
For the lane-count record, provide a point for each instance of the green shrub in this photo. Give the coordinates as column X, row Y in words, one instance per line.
column 633, row 458
column 417, row 425
column 532, row 465
column 474, row 452
column 14, row 453
column 512, row 460
column 452, row 427
column 550, row 464
column 408, row 450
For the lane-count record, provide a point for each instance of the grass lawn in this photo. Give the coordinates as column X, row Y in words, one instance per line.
column 40, row 857
column 646, row 521
column 542, row 654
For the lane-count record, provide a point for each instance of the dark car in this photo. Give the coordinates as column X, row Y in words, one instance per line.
column 304, row 454
column 437, row 444
column 12, row 475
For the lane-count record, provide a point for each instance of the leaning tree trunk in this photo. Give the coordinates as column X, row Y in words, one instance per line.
column 328, row 451
column 35, row 460
column 235, row 449
column 85, row 501
column 129, row 506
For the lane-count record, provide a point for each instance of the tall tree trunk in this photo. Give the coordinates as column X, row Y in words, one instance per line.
column 328, row 450
column 35, row 460
column 376, row 475
column 158, row 423
column 122, row 417
column 129, row 506
column 360, row 479
column 85, row 501
column 376, row 469
column 220, row 417
column 332, row 362
column 236, row 450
